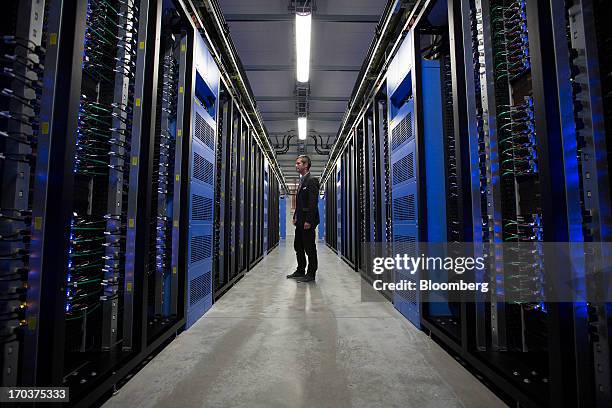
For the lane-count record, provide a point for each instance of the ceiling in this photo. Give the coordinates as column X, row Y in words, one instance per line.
column 264, row 35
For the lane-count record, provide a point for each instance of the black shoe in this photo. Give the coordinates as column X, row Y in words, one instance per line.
column 307, row 278
column 296, row 275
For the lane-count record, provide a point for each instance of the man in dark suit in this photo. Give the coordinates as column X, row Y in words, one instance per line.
column 305, row 219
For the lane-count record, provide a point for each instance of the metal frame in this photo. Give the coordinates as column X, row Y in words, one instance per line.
column 48, row 117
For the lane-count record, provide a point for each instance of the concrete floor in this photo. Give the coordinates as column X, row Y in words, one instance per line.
column 270, row 342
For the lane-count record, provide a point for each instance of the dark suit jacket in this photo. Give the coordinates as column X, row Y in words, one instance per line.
column 307, row 202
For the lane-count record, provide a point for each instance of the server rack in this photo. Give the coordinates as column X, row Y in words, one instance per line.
column 512, row 149
column 97, row 324
column 90, row 245
column 165, row 283
column 24, row 151
column 274, row 218
column 331, row 209
column 536, row 196
column 110, row 191
column 247, row 223
column 203, row 101
column 368, row 186
column 282, row 211
column 222, row 218
column 323, row 214
column 340, row 206
column 266, row 191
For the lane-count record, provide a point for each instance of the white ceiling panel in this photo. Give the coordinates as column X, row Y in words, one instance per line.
column 253, row 7
column 340, row 43
column 327, row 106
column 326, row 83
column 351, row 7
column 271, row 83
column 275, row 106
column 264, row 43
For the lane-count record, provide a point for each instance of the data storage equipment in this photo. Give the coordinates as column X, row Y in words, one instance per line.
column 282, row 211
column 115, row 157
column 204, row 104
column 266, row 194
column 24, row 150
column 486, row 122
column 321, row 209
column 247, row 222
column 404, row 169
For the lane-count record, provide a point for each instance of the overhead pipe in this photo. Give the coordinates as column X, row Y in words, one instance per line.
column 285, row 149
column 318, row 150
column 287, row 144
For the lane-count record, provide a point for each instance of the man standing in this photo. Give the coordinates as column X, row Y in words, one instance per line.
column 305, row 219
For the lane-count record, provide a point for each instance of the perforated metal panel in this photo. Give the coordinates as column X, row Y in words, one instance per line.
column 201, row 208
column 200, row 248
column 203, row 170
column 404, row 130
column 201, row 189
column 199, row 288
column 405, row 205
column 203, row 131
column 405, row 208
column 403, row 170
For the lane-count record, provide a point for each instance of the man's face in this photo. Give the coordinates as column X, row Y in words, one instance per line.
column 300, row 166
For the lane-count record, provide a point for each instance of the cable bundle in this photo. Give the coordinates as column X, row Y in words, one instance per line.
column 519, row 156
column 484, row 176
column 363, row 236
column 224, row 105
column 373, row 182
column 164, row 161
column 454, row 225
column 517, row 39
column 387, row 166
column 22, row 68
column 99, row 223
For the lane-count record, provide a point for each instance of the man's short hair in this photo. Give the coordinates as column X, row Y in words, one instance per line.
column 305, row 159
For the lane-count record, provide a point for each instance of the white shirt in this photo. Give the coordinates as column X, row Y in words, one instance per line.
column 302, row 179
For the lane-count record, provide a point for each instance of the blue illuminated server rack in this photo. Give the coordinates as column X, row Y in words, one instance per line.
column 201, row 183
column 339, row 206
column 321, row 227
column 266, row 193
column 403, row 166
column 282, row 211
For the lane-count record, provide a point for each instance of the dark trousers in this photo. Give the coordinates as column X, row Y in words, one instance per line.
column 304, row 244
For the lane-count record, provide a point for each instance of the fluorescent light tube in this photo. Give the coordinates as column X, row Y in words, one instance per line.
column 302, row 45
column 302, row 126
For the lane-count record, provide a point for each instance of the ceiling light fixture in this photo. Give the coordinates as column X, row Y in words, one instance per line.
column 302, row 126
column 302, row 45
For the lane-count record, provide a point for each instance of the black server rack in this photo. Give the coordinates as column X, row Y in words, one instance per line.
column 518, row 155
column 239, row 225
column 116, row 151
column 346, row 195
column 24, row 153
column 91, row 244
column 164, row 282
column 330, row 213
column 273, row 213
column 541, row 180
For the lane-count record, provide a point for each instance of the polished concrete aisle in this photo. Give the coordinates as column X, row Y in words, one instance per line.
column 270, row 342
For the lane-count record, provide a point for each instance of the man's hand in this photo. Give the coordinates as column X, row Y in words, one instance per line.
column 294, row 221
column 306, row 226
